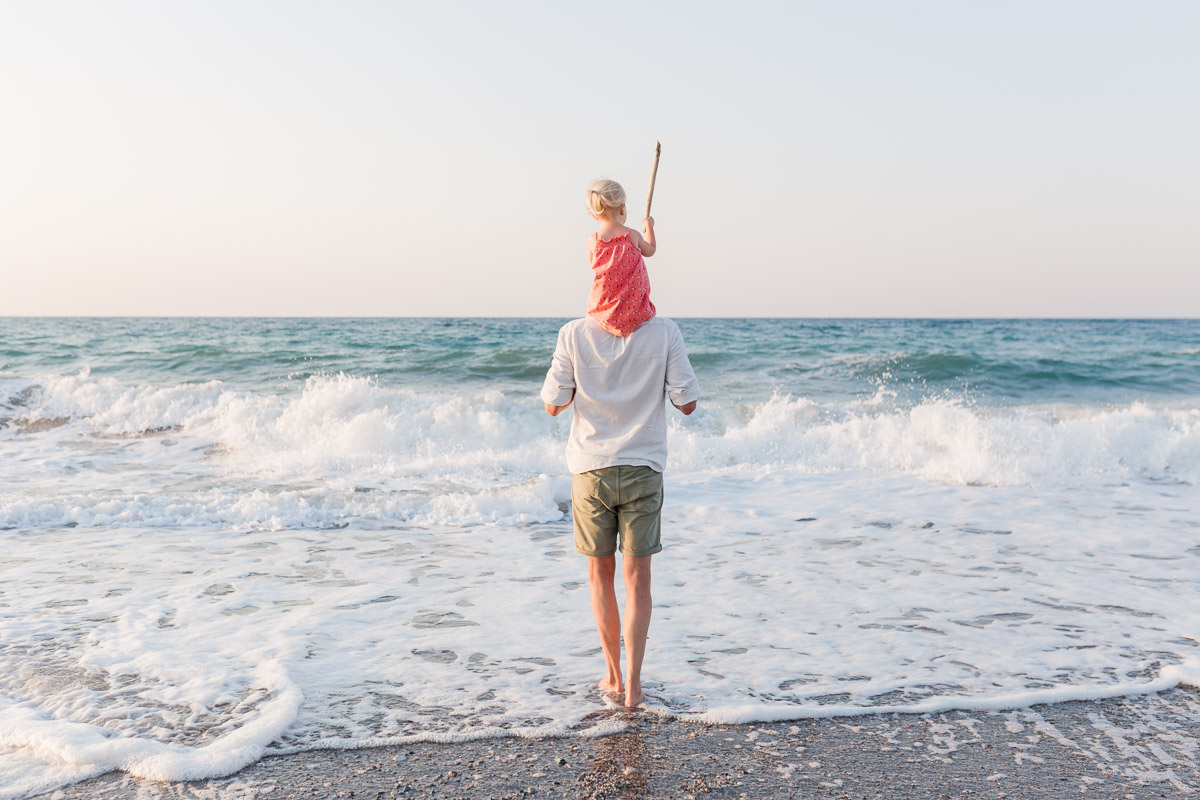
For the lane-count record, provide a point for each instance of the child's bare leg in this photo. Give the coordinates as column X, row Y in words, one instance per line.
column 637, row 622
column 601, row 572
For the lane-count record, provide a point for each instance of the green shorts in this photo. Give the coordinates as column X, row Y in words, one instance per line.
column 624, row 501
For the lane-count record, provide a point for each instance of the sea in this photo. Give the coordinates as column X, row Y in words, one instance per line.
column 226, row 538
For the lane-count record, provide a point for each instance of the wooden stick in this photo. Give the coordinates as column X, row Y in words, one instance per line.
column 653, row 175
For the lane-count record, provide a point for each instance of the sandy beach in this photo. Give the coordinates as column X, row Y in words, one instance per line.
column 1139, row 747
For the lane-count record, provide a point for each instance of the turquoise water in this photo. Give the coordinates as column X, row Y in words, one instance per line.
column 991, row 361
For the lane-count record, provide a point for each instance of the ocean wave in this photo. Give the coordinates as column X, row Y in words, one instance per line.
column 420, row 455
column 948, row 439
column 331, row 420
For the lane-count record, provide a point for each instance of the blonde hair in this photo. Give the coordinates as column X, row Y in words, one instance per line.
column 605, row 195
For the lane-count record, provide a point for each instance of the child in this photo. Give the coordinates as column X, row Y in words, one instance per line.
column 620, row 297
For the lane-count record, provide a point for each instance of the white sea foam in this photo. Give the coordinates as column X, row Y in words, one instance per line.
column 198, row 574
column 948, row 440
column 312, row 458
column 90, row 748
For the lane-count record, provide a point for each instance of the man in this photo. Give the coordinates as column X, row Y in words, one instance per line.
column 617, row 452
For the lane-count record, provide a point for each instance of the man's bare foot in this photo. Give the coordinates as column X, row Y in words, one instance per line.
column 634, row 697
column 609, row 686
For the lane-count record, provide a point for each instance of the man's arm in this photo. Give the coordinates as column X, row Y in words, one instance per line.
column 558, row 391
column 682, row 387
column 686, row 408
column 554, row 410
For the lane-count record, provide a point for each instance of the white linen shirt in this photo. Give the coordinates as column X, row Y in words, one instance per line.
column 620, row 386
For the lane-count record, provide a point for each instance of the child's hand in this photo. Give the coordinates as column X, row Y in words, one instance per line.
column 648, row 225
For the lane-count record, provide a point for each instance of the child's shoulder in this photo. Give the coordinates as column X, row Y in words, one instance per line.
column 596, row 238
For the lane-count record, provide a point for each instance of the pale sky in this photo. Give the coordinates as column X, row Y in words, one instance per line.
column 412, row 159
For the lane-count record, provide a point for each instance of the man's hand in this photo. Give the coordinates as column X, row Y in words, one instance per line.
column 687, row 408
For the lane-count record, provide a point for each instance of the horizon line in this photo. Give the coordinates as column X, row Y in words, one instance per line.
column 1080, row 318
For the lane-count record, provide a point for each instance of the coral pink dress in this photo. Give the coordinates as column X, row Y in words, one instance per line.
column 620, row 297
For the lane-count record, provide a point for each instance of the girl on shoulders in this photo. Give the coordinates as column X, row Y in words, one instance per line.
column 620, row 298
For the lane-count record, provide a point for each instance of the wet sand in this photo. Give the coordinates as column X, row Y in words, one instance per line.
column 1140, row 747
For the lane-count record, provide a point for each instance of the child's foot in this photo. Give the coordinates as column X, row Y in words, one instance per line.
column 634, row 698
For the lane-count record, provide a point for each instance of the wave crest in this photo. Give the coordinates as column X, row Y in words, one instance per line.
column 344, row 449
column 946, row 439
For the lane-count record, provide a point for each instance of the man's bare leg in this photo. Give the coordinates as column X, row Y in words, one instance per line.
column 601, row 572
column 637, row 622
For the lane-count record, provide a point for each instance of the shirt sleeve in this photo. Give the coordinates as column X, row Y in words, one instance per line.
column 559, row 386
column 681, row 380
